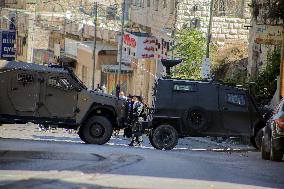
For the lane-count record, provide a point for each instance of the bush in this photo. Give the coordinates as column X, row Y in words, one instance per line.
column 265, row 84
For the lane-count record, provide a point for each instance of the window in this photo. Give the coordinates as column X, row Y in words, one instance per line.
column 53, row 81
column 61, row 83
column 234, row 8
column 156, row 5
column 164, row 4
column 65, row 83
column 184, row 87
column 172, row 6
column 148, row 3
column 25, row 78
column 238, row 99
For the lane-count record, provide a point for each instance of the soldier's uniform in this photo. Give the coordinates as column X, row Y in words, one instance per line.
column 136, row 124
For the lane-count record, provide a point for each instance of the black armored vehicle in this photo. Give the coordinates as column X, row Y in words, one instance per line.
column 55, row 96
column 185, row 108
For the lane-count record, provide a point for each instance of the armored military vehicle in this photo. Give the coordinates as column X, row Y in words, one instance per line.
column 185, row 108
column 55, row 96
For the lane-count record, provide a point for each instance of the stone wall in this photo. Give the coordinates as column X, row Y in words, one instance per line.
column 225, row 29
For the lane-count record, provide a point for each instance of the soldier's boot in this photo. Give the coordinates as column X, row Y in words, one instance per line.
column 140, row 141
column 131, row 143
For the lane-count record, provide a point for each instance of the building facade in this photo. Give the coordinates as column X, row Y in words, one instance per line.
column 162, row 19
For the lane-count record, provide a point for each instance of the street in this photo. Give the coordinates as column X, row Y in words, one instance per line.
column 29, row 161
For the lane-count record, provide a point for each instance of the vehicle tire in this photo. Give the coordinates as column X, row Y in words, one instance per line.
column 98, row 130
column 252, row 142
column 151, row 138
column 164, row 137
column 81, row 136
column 265, row 153
column 197, row 119
column 258, row 139
column 275, row 154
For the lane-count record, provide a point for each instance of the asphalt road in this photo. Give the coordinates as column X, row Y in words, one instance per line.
column 48, row 164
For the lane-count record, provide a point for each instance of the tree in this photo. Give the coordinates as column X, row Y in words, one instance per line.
column 266, row 83
column 191, row 47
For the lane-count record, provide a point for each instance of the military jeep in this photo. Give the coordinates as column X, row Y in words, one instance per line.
column 184, row 108
column 55, row 96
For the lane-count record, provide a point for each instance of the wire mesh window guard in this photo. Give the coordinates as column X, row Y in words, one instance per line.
column 231, row 8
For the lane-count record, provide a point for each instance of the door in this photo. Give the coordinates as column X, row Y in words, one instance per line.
column 234, row 110
column 60, row 97
column 24, row 91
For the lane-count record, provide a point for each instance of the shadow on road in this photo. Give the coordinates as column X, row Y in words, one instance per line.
column 126, row 161
column 48, row 183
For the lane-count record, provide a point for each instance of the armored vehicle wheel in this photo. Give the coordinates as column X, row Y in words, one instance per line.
column 164, row 137
column 258, row 138
column 151, row 138
column 97, row 130
column 81, row 135
column 275, row 154
column 265, row 154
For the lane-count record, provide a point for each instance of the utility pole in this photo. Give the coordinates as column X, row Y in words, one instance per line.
column 209, row 34
column 95, row 44
column 121, row 44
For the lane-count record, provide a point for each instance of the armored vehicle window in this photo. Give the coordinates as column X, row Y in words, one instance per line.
column 62, row 83
column 184, row 87
column 53, row 81
column 238, row 99
column 65, row 84
column 26, row 78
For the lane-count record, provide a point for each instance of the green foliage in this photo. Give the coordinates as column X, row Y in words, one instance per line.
column 265, row 84
column 230, row 63
column 191, row 46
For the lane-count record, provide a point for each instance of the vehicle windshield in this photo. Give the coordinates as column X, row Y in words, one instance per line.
column 76, row 78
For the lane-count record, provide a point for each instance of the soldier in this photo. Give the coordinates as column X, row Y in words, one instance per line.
column 136, row 125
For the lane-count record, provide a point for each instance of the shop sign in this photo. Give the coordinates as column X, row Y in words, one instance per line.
column 138, row 47
column 163, row 48
column 269, row 35
column 8, row 39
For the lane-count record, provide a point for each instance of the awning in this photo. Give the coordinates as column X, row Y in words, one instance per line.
column 114, row 69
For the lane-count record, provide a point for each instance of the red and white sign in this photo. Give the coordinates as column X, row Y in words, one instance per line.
column 138, row 47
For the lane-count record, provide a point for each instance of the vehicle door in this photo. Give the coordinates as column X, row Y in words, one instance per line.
column 185, row 96
column 23, row 91
column 233, row 106
column 60, row 97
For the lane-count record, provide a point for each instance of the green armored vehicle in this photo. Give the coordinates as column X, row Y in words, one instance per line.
column 55, row 96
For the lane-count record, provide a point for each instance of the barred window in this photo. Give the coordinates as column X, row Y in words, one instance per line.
column 148, row 3
column 184, row 87
column 25, row 78
column 234, row 8
column 238, row 99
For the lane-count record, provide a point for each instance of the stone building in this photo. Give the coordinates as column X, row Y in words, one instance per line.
column 162, row 18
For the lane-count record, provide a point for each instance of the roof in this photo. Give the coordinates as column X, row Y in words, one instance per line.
column 14, row 65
